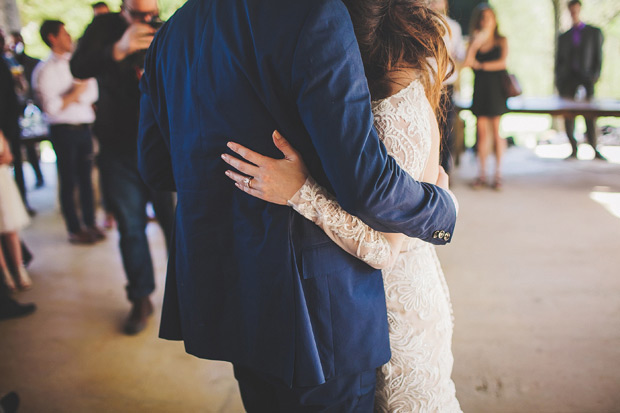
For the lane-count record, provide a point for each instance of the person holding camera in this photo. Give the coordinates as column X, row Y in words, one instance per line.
column 112, row 50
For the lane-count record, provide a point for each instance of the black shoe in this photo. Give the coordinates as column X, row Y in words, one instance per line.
column 81, row 237
column 141, row 309
column 96, row 233
column 9, row 403
column 598, row 155
column 10, row 308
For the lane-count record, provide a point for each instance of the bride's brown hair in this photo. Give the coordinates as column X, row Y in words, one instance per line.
column 398, row 34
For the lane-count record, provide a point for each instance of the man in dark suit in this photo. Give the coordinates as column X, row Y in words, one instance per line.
column 578, row 67
column 303, row 322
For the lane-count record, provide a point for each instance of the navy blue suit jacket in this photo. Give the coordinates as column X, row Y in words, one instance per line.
column 251, row 282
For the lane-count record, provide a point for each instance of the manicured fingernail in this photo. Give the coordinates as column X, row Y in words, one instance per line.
column 227, row 173
column 231, row 145
column 224, row 156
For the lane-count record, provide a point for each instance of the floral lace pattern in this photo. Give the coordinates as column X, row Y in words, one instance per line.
column 314, row 203
column 417, row 378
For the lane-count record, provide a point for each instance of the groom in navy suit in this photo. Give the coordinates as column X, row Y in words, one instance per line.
column 253, row 283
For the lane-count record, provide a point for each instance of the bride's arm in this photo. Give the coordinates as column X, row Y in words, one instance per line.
column 434, row 172
column 377, row 249
column 431, row 171
column 286, row 182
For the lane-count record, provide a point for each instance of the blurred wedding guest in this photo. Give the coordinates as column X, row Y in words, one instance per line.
column 68, row 105
column 9, row 403
column 112, row 49
column 486, row 55
column 10, row 308
column 10, row 119
column 100, row 8
column 577, row 68
column 13, row 217
column 456, row 49
column 18, row 48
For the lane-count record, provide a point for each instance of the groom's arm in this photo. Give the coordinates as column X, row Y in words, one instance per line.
column 154, row 162
column 334, row 103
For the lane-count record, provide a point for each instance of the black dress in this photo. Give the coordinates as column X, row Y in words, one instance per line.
column 489, row 99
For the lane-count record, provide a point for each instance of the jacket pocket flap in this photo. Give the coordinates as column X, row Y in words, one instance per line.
column 323, row 259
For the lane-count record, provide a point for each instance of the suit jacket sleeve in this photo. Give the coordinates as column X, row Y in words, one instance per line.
column 93, row 54
column 9, row 108
column 560, row 62
column 154, row 161
column 334, row 103
column 598, row 55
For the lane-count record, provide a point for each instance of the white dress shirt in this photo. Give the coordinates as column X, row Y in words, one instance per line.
column 51, row 80
column 455, row 46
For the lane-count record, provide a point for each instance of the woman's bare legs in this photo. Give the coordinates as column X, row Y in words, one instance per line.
column 500, row 147
column 482, row 130
column 15, row 251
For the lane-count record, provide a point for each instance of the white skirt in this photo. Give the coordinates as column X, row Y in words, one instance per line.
column 13, row 215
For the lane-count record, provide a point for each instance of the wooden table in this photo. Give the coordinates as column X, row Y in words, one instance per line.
column 550, row 105
column 555, row 106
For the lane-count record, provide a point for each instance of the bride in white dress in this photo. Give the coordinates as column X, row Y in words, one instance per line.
column 417, row 378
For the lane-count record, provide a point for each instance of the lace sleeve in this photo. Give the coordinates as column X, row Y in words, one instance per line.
column 350, row 233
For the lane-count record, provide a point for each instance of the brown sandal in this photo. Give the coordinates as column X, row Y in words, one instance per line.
column 497, row 184
column 479, row 183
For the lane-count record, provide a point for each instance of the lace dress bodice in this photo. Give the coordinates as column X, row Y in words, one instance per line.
column 417, row 378
column 402, row 122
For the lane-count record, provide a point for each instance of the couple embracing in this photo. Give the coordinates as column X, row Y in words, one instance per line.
column 282, row 273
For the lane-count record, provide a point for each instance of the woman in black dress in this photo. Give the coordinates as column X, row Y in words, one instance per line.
column 487, row 55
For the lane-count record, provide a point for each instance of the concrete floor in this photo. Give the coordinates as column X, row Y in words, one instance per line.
column 534, row 273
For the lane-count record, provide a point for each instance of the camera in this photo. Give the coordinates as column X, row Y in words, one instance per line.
column 156, row 23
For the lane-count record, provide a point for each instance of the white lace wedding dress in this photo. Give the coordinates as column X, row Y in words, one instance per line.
column 417, row 378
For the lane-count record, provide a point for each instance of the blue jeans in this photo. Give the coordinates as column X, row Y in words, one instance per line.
column 73, row 145
column 126, row 198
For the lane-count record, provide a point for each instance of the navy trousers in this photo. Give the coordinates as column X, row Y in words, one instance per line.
column 354, row 393
column 568, row 91
column 73, row 145
column 126, row 197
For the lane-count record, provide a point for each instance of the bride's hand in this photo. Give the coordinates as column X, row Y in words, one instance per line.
column 272, row 180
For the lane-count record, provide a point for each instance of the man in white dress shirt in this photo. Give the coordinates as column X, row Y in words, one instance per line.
column 68, row 106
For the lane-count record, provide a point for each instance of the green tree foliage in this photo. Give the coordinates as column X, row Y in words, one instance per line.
column 76, row 14
column 530, row 25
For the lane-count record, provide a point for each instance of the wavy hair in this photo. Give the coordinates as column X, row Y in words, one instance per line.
column 475, row 23
column 399, row 34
